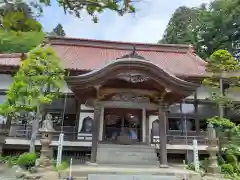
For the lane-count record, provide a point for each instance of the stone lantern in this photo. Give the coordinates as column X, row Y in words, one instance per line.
column 46, row 132
column 212, row 150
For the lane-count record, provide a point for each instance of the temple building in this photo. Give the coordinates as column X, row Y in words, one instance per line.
column 138, row 102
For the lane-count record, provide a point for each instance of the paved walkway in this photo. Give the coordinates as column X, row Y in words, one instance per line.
column 84, row 170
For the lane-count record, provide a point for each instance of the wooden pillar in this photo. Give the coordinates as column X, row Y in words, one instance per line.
column 78, row 110
column 162, row 116
column 196, row 117
column 145, row 127
column 95, row 132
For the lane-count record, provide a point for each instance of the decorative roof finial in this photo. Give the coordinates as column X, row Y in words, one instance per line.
column 133, row 54
column 134, row 50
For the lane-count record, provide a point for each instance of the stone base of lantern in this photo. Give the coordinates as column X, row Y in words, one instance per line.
column 44, row 162
column 46, row 151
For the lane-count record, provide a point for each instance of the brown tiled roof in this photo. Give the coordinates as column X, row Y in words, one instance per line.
column 85, row 54
column 10, row 59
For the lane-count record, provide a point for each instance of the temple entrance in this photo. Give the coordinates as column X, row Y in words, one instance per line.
column 122, row 126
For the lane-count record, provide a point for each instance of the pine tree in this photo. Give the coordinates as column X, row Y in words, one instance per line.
column 58, row 31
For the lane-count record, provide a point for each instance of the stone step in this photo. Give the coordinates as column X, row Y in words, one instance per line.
column 126, row 154
column 125, row 146
column 81, row 172
column 122, row 148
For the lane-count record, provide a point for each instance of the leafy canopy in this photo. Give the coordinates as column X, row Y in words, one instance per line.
column 94, row 7
column 38, row 81
column 17, row 21
column 221, row 64
column 207, row 27
column 19, row 42
column 18, row 16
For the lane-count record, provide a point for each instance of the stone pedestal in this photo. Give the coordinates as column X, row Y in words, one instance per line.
column 46, row 151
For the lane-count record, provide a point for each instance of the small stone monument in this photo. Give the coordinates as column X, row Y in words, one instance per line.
column 46, row 132
column 212, row 149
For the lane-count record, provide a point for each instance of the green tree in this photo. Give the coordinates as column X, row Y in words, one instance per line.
column 38, row 81
column 17, row 21
column 207, row 28
column 19, row 30
column 19, row 42
column 222, row 69
column 184, row 27
column 94, row 7
column 18, row 16
column 58, row 31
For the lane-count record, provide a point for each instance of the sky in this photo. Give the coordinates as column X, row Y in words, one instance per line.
column 147, row 25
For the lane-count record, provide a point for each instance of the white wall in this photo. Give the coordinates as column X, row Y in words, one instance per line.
column 5, row 81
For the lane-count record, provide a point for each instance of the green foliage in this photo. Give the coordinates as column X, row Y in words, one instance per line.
column 228, row 158
column 27, row 160
column 64, row 165
column 30, row 10
column 181, row 28
column 222, row 61
column 202, row 165
column 227, row 169
column 38, row 81
column 17, row 21
column 18, row 16
column 94, row 7
column 221, row 64
column 58, row 31
column 10, row 160
column 19, row 42
column 207, row 28
column 221, row 124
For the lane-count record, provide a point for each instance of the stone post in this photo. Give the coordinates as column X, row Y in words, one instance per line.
column 3, row 134
column 212, row 149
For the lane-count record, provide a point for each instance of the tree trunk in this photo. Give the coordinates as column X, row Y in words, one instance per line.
column 8, row 123
column 35, row 127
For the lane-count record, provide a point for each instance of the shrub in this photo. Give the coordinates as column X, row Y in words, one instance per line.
column 27, row 160
column 10, row 160
column 191, row 167
column 64, row 165
column 227, row 169
column 202, row 165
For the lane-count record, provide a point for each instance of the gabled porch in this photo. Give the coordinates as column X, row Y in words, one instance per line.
column 122, row 93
